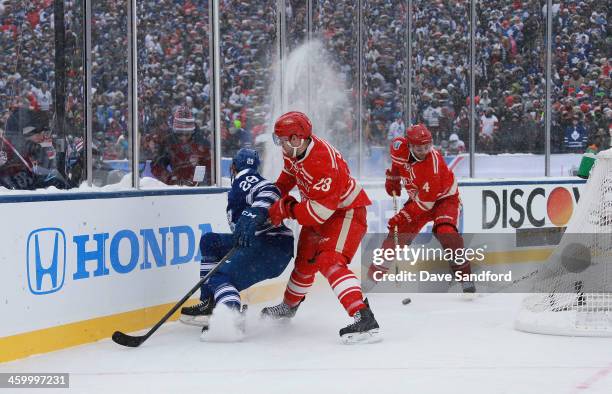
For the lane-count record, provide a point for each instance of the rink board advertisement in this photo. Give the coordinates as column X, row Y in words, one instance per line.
column 70, row 261
column 497, row 206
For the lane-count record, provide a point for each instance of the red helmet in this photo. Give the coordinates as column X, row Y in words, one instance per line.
column 293, row 123
column 418, row 135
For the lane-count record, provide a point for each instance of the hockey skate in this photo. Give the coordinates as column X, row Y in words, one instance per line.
column 199, row 314
column 281, row 312
column 226, row 325
column 365, row 329
column 469, row 290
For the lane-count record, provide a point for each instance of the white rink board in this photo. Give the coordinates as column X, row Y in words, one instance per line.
column 122, row 220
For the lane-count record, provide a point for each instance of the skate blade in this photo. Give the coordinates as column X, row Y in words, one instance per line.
column 469, row 296
column 274, row 319
column 198, row 321
column 371, row 336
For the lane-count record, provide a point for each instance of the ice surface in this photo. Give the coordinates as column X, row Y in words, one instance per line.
column 437, row 344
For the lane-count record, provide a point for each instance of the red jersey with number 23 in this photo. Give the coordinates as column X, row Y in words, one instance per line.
column 324, row 181
column 426, row 181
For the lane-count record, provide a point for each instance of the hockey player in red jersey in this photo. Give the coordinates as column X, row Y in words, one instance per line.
column 332, row 212
column 433, row 196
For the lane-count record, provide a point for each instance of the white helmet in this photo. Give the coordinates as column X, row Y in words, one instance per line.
column 453, row 138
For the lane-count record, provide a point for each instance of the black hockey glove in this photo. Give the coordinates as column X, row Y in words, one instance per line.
column 244, row 232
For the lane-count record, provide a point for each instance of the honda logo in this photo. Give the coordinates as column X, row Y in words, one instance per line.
column 106, row 253
column 46, row 260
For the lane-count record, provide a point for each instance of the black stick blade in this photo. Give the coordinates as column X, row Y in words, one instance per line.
column 126, row 340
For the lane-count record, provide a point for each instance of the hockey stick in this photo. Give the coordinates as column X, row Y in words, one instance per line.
column 519, row 280
column 513, row 283
column 395, row 235
column 407, row 300
column 16, row 152
column 135, row 340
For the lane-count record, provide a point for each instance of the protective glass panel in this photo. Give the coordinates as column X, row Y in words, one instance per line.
column 297, row 23
column 111, row 156
column 581, row 114
column 385, row 82
column 174, row 86
column 248, row 51
column 334, row 83
column 510, row 89
column 41, row 95
column 441, row 77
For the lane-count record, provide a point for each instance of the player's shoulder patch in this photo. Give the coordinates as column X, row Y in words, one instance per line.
column 398, row 143
column 399, row 151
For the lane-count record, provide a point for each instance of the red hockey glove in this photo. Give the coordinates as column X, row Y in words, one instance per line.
column 400, row 220
column 392, row 184
column 282, row 209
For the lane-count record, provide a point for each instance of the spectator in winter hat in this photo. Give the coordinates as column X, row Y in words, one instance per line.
column 455, row 145
column 183, row 150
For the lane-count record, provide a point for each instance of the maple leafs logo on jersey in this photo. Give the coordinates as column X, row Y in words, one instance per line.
column 397, row 144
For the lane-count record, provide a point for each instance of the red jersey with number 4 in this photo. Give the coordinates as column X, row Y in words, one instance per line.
column 324, row 181
column 426, row 181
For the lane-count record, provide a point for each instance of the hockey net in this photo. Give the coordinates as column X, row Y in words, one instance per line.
column 572, row 294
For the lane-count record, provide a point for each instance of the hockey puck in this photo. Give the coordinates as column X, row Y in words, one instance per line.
column 406, row 301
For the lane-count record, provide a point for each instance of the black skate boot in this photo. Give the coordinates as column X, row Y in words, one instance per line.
column 365, row 329
column 199, row 314
column 468, row 287
column 281, row 311
column 469, row 290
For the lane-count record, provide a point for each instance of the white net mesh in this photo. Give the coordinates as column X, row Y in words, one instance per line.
column 572, row 294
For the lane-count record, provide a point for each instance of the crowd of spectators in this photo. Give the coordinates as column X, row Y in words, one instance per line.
column 174, row 71
column 510, row 74
column 582, row 61
column 385, row 49
column 28, row 150
column 174, row 68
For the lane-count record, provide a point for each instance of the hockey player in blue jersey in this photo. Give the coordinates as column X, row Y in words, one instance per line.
column 263, row 250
